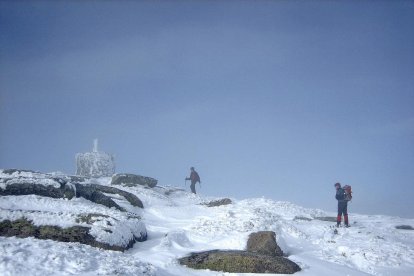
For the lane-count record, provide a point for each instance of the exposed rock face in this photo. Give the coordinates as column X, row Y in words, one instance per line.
column 264, row 243
column 330, row 219
column 133, row 199
column 239, row 262
column 220, row 202
column 404, row 227
column 27, row 187
column 133, row 180
column 12, row 171
column 23, row 228
column 263, row 255
column 61, row 187
column 95, row 225
column 302, row 218
column 25, row 182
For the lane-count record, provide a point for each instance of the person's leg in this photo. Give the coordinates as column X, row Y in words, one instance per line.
column 345, row 210
column 338, row 218
column 192, row 186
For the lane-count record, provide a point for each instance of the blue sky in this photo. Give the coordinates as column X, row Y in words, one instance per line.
column 279, row 99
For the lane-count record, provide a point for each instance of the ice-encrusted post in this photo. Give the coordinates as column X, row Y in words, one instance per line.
column 95, row 145
column 95, row 163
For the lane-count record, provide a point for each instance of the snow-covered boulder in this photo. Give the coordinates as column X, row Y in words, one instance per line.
column 35, row 204
column 129, row 179
column 218, row 202
column 21, row 182
column 24, row 182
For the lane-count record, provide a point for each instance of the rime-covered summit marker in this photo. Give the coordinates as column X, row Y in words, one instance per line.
column 95, row 163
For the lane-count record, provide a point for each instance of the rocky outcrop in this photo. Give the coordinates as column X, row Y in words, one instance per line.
column 263, row 255
column 132, row 199
column 12, row 171
column 219, row 202
column 330, row 219
column 61, row 187
column 128, row 179
column 95, row 195
column 23, row 228
column 55, row 188
column 108, row 228
column 264, row 242
column 404, row 227
column 239, row 262
column 302, row 218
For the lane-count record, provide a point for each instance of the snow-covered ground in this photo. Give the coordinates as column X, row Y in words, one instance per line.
column 177, row 224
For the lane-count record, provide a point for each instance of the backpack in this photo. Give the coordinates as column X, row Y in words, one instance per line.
column 348, row 192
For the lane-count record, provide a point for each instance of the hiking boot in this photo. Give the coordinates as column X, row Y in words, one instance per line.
column 347, row 225
column 338, row 225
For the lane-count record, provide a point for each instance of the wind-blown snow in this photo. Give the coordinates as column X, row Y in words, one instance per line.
column 177, row 224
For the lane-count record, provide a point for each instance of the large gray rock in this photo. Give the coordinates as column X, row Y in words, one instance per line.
column 264, row 242
column 128, row 179
column 131, row 198
column 404, row 227
column 219, row 202
column 239, row 262
column 263, row 255
column 50, row 187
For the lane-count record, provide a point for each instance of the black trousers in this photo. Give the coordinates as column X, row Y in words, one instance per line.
column 342, row 208
column 192, row 186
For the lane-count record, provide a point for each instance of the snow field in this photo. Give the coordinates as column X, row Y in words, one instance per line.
column 177, row 224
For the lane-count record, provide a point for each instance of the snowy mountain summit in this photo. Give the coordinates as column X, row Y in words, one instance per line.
column 55, row 224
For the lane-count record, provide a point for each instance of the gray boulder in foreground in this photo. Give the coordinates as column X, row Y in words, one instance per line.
column 264, row 242
column 263, row 255
column 128, row 179
column 239, row 262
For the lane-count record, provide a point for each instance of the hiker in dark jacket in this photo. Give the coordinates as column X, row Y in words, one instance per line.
column 342, row 205
column 194, row 177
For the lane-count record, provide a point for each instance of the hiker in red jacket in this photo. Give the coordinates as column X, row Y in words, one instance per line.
column 194, row 177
